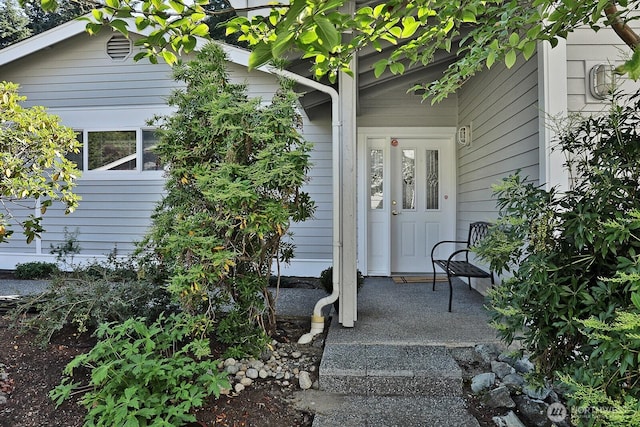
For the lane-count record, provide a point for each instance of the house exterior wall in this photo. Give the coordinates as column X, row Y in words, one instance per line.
column 501, row 106
column 396, row 108
column 76, row 80
column 585, row 49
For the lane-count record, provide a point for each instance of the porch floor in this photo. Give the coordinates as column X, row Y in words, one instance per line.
column 411, row 313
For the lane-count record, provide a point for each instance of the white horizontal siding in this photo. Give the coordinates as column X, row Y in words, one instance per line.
column 585, row 49
column 397, row 108
column 78, row 73
column 501, row 105
column 111, row 214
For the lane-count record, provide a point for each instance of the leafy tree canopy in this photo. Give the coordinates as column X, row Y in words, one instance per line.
column 32, row 163
column 481, row 32
column 13, row 24
column 41, row 20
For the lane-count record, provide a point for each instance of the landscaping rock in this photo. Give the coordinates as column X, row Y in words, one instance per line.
column 500, row 398
column 533, row 412
column 304, row 380
column 536, row 393
column 515, row 382
column 524, row 365
column 502, row 369
column 485, row 353
column 482, row 382
column 509, row 420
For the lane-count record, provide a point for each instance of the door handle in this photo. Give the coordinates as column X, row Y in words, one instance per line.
column 394, row 212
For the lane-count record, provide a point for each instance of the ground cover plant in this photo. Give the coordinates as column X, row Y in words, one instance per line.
column 572, row 298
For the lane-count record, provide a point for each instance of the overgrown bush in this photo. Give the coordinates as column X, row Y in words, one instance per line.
column 574, row 260
column 35, row 270
column 93, row 294
column 236, row 168
column 146, row 374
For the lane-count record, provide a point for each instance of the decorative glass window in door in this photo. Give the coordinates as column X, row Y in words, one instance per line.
column 376, row 175
column 408, row 179
column 433, row 180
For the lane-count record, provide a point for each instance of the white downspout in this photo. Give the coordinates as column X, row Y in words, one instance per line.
column 317, row 320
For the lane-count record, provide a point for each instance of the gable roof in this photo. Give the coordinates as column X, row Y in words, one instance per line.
column 75, row 27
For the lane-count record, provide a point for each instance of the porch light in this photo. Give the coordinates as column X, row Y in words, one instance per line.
column 464, row 136
column 602, row 79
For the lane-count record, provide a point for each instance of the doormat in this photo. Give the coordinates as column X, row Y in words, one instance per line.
column 418, row 279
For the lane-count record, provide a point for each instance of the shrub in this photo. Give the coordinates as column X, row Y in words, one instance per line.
column 90, row 295
column 237, row 167
column 35, row 270
column 146, row 374
column 326, row 279
column 574, row 259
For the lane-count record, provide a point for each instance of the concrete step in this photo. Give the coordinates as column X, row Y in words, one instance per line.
column 400, row 411
column 390, row 370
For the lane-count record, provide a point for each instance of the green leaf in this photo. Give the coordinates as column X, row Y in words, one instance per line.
column 308, row 36
column 201, row 30
column 177, row 6
column 120, row 25
column 410, row 25
column 514, row 39
column 491, row 58
column 468, row 16
column 635, row 299
column 510, row 58
column 169, row 57
column 379, row 67
column 396, row 31
column 49, row 5
column 260, row 55
column 282, row 44
column 528, row 49
column 327, row 32
column 631, row 67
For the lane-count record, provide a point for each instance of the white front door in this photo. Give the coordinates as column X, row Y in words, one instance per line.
column 410, row 200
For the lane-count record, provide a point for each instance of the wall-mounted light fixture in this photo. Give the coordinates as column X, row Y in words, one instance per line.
column 464, row 136
column 602, row 80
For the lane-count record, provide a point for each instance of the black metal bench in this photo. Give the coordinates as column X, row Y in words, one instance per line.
column 462, row 268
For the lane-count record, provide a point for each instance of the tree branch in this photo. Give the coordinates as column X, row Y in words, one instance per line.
column 621, row 28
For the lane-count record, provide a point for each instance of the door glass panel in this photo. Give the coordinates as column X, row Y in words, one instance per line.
column 433, row 181
column 408, row 179
column 376, row 194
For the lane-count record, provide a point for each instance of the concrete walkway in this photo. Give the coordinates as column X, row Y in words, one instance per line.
column 396, row 367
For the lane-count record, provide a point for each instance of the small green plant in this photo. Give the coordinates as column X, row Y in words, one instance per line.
column 35, row 270
column 146, row 374
column 68, row 249
column 326, row 279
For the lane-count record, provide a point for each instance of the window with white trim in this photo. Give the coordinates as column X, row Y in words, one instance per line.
column 117, row 150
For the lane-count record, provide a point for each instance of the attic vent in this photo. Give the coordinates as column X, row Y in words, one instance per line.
column 118, row 47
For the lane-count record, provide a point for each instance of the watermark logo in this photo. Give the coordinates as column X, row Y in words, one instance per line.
column 557, row 412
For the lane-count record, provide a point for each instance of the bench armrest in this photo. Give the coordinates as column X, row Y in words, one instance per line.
column 445, row 241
